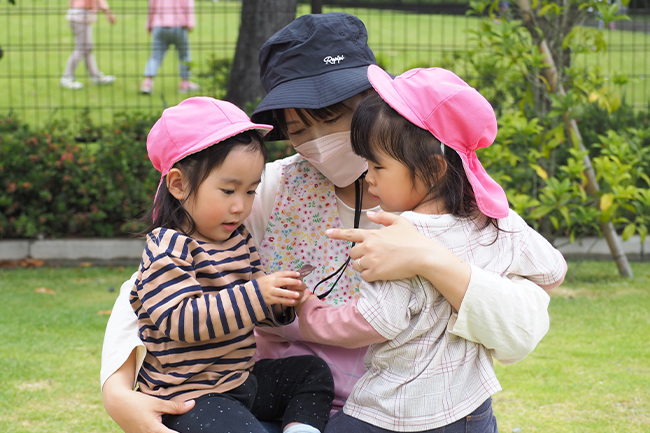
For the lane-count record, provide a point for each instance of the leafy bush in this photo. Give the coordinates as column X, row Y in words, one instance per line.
column 51, row 185
column 83, row 181
column 538, row 157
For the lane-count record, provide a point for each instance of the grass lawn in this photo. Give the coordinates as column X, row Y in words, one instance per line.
column 37, row 42
column 591, row 373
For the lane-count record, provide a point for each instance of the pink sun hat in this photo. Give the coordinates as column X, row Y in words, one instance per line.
column 193, row 125
column 456, row 114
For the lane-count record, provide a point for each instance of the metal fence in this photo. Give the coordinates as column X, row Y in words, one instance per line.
column 37, row 40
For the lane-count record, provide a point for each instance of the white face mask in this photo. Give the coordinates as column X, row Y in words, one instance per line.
column 332, row 155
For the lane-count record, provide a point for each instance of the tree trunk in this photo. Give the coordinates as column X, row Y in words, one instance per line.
column 551, row 73
column 260, row 19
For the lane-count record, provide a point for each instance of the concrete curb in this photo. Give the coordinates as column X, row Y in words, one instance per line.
column 129, row 251
column 68, row 251
column 597, row 249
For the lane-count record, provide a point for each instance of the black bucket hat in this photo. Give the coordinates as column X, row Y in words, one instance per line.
column 314, row 62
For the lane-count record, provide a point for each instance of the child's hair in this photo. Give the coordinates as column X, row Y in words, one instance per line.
column 377, row 127
column 167, row 210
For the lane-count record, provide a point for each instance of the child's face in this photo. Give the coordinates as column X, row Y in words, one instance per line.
column 224, row 200
column 390, row 181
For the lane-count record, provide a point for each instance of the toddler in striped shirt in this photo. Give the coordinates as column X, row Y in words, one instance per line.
column 201, row 289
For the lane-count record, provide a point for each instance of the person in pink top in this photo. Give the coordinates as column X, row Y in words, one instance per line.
column 169, row 22
column 420, row 133
column 81, row 16
column 315, row 73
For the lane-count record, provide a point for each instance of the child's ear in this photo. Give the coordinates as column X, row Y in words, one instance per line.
column 175, row 183
column 443, row 166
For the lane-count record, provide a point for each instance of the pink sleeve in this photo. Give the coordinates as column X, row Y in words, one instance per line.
column 103, row 5
column 150, row 15
column 191, row 21
column 341, row 326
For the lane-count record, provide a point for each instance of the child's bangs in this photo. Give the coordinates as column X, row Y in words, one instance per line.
column 371, row 130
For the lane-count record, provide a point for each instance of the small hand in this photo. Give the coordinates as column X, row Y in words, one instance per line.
column 307, row 295
column 110, row 17
column 281, row 288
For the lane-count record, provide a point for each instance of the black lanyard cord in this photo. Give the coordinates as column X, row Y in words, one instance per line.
column 358, row 190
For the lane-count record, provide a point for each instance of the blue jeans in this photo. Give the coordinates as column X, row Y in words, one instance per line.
column 482, row 420
column 162, row 38
column 272, row 426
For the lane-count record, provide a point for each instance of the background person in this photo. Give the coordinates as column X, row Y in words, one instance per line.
column 81, row 16
column 169, row 22
column 311, row 98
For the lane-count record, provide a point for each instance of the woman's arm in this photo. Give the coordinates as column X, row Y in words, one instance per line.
column 507, row 315
column 121, row 338
column 516, row 308
column 134, row 411
column 398, row 251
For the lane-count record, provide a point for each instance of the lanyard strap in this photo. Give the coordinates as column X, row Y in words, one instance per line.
column 358, row 196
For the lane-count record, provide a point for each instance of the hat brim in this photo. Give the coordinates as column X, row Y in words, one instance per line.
column 382, row 82
column 313, row 92
column 224, row 134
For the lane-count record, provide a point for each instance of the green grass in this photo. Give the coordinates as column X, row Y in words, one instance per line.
column 591, row 373
column 51, row 348
column 37, row 43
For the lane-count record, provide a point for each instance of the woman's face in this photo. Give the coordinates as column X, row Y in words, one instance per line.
column 300, row 133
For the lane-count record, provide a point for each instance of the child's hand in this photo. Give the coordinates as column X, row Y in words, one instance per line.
column 305, row 297
column 281, row 288
column 110, row 17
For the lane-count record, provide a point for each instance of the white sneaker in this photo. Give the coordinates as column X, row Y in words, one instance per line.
column 102, row 79
column 188, row 86
column 68, row 82
column 147, row 86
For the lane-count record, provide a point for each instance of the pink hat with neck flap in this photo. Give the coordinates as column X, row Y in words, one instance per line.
column 456, row 114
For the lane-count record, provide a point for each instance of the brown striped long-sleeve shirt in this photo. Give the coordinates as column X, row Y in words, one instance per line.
column 197, row 304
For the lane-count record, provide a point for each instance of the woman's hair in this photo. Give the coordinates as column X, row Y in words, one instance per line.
column 167, row 210
column 377, row 127
column 307, row 114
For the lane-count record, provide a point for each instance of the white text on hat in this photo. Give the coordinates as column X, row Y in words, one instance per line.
column 334, row 60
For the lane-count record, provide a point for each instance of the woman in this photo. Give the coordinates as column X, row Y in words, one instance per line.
column 315, row 73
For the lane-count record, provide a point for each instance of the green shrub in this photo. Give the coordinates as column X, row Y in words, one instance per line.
column 51, row 185
column 83, row 181
column 537, row 156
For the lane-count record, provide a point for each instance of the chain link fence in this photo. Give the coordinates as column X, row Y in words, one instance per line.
column 36, row 41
